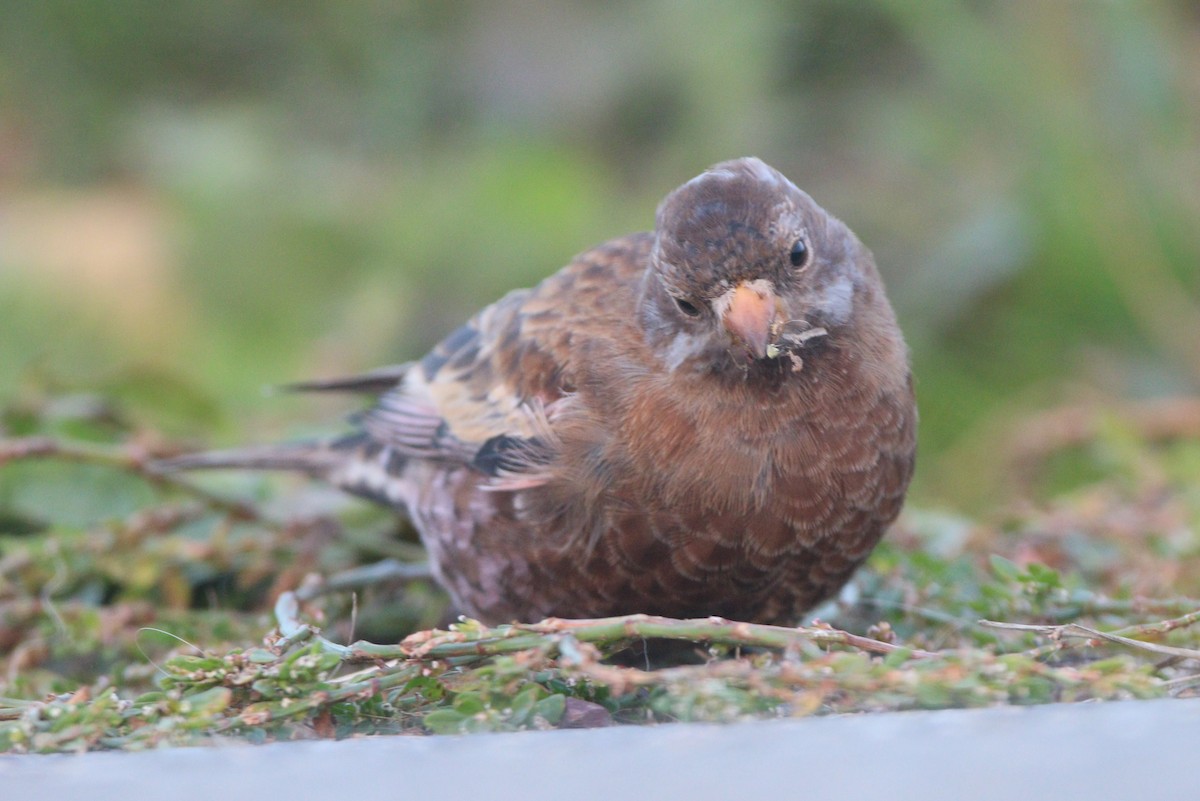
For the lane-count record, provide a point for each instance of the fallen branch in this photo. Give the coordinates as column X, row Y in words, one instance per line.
column 713, row 630
column 473, row 640
column 379, row 572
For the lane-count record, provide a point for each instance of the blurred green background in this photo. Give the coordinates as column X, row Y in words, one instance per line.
column 198, row 200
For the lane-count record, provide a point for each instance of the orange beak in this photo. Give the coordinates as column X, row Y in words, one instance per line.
column 749, row 316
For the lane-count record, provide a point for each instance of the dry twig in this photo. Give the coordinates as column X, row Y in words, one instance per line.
column 130, row 459
column 1058, row 633
column 474, row 641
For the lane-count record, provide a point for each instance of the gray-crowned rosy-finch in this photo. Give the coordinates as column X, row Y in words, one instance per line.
column 716, row 418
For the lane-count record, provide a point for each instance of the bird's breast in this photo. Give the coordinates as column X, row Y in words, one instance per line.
column 707, row 449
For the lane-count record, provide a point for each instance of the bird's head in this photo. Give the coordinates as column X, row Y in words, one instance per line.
column 747, row 271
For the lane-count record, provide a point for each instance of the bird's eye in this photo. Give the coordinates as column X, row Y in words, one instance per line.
column 687, row 308
column 799, row 253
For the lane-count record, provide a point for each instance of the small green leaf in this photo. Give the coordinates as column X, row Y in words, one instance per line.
column 1044, row 575
column 427, row 687
column 210, row 702
column 467, row 704
column 1005, row 569
column 551, row 708
column 146, row 699
column 445, row 721
column 190, row 662
column 523, row 703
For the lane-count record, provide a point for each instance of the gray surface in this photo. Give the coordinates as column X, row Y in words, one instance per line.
column 1126, row 750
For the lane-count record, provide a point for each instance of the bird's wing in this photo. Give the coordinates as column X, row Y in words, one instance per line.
column 488, row 395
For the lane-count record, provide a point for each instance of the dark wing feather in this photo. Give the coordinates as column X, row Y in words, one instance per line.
column 488, row 394
column 458, row 404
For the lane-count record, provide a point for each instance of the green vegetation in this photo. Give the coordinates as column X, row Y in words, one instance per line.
column 197, row 201
column 138, row 610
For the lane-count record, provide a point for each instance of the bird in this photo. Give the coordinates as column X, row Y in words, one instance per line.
column 713, row 418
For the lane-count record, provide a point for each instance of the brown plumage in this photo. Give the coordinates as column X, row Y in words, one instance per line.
column 716, row 418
